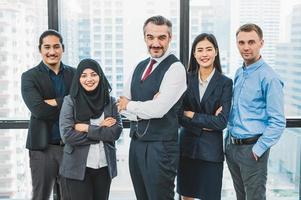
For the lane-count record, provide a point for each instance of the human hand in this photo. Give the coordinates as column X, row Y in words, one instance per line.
column 122, row 103
column 218, row 111
column 207, row 129
column 83, row 128
column 255, row 156
column 51, row 102
column 189, row 114
column 108, row 122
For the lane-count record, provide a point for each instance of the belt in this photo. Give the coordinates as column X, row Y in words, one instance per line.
column 243, row 141
column 59, row 143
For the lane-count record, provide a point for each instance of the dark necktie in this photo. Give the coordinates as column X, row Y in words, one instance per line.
column 149, row 69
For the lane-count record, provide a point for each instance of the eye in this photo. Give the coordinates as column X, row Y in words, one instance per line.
column 149, row 37
column 57, row 46
column 94, row 75
column 162, row 37
column 83, row 76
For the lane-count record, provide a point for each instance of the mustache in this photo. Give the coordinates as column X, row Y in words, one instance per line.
column 155, row 47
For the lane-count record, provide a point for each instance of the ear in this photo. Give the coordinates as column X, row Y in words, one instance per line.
column 262, row 43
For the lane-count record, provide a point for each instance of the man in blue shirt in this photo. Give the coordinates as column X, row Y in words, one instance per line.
column 257, row 117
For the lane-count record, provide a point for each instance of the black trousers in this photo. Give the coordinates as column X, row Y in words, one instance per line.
column 44, row 166
column 153, row 167
column 95, row 186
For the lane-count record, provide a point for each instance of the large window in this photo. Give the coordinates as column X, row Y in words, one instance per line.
column 110, row 31
column 21, row 23
column 280, row 21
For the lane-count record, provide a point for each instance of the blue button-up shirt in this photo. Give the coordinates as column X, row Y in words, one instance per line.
column 257, row 107
column 59, row 88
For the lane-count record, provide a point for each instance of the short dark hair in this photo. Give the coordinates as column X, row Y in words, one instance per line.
column 193, row 66
column 158, row 20
column 250, row 27
column 50, row 32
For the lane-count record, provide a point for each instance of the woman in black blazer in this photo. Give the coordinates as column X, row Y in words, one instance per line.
column 89, row 126
column 206, row 108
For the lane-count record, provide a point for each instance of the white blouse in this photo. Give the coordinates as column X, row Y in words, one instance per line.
column 96, row 156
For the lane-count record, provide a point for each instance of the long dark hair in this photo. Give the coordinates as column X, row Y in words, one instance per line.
column 193, row 66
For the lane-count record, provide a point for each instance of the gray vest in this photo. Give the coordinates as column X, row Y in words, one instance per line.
column 165, row 128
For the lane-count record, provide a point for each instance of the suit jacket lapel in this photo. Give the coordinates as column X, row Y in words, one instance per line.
column 44, row 78
column 68, row 76
column 195, row 89
column 211, row 86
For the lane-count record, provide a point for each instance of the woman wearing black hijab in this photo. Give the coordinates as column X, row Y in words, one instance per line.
column 89, row 125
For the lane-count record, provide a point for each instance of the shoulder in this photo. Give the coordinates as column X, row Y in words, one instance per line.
column 177, row 66
column 32, row 71
column 69, row 68
column 268, row 74
column 226, row 79
column 112, row 99
column 68, row 100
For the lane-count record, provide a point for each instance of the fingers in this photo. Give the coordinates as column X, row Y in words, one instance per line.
column 218, row 111
column 108, row 122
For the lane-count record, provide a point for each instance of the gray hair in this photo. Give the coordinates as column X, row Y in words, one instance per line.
column 158, row 20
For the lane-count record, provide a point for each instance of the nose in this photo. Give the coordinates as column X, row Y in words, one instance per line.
column 156, row 42
column 246, row 47
column 89, row 78
column 204, row 53
column 51, row 50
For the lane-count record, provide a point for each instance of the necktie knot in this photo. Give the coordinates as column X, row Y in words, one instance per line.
column 149, row 69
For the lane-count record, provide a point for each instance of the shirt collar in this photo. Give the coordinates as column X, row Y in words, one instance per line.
column 62, row 67
column 253, row 67
column 208, row 78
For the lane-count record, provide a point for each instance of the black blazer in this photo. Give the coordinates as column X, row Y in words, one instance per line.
column 36, row 86
column 195, row 142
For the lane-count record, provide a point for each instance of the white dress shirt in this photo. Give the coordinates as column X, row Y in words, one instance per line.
column 171, row 89
column 203, row 84
column 96, row 156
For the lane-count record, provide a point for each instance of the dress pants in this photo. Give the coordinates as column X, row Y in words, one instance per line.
column 153, row 167
column 44, row 167
column 249, row 176
column 95, row 186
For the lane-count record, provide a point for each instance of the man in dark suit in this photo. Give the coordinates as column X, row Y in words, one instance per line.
column 43, row 88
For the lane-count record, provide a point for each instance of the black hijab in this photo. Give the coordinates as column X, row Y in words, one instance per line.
column 89, row 104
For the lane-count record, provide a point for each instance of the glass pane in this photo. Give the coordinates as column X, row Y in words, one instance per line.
column 111, row 33
column 21, row 23
column 280, row 21
column 283, row 169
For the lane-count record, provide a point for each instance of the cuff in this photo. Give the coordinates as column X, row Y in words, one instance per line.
column 59, row 102
column 258, row 150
